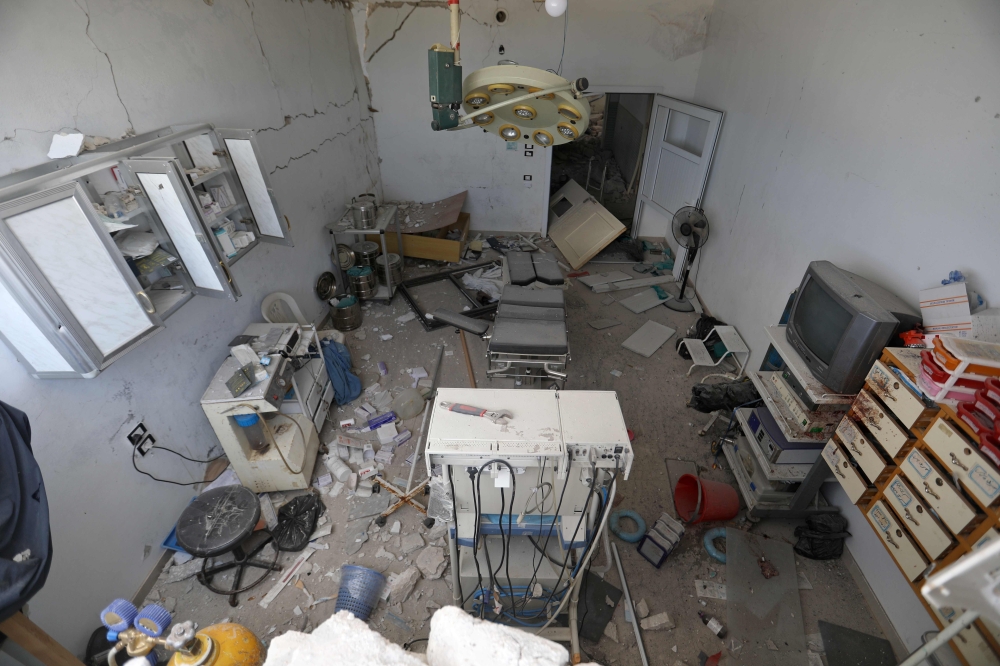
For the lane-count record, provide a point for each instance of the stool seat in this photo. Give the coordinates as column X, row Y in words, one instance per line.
column 218, row 520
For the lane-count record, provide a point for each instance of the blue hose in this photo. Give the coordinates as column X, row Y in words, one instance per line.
column 628, row 537
column 710, row 537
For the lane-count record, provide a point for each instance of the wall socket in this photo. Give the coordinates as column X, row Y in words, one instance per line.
column 141, row 438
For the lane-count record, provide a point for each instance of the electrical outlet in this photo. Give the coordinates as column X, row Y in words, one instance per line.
column 137, row 434
column 146, row 444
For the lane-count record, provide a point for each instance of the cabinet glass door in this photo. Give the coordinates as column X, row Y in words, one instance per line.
column 243, row 157
column 160, row 181
column 65, row 250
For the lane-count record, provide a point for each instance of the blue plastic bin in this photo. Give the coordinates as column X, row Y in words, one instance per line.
column 360, row 588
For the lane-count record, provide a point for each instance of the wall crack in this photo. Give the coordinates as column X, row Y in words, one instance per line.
column 267, row 63
column 394, row 33
column 314, row 150
column 316, row 112
column 114, row 80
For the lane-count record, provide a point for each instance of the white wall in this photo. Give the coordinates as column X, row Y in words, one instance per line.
column 865, row 133
column 290, row 70
column 616, row 45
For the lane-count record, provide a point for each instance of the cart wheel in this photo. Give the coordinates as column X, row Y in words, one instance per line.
column 429, row 523
column 427, row 489
column 380, row 521
column 376, row 487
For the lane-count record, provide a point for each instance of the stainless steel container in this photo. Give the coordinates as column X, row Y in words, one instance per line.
column 346, row 317
column 365, row 253
column 395, row 268
column 363, row 211
column 363, row 282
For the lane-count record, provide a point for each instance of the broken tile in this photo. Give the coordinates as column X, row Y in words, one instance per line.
column 611, row 631
column 650, row 337
column 395, row 527
column 642, row 609
column 383, row 553
column 601, row 324
column 658, row 621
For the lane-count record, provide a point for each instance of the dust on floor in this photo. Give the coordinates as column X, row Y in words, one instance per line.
column 652, row 392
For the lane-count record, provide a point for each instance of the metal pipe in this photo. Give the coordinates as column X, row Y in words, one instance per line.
column 628, row 605
column 946, row 634
column 456, row 29
column 422, row 435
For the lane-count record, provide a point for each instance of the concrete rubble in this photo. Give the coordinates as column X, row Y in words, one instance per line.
column 658, row 621
column 403, row 585
column 432, row 562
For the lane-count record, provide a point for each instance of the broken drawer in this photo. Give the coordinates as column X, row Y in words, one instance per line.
column 954, row 510
column 990, row 535
column 897, row 540
column 897, row 396
column 969, row 642
column 901, row 498
column 883, row 427
column 962, row 458
column 854, row 485
column 868, row 458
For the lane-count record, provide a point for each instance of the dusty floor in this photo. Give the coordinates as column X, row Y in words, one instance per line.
column 653, row 392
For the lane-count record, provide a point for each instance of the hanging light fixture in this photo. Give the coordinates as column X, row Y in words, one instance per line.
column 528, row 102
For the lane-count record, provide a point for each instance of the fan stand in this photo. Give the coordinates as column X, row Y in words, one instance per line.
column 680, row 303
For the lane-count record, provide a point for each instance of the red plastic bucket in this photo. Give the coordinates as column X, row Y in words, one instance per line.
column 698, row 500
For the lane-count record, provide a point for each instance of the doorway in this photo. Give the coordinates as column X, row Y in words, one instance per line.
column 607, row 159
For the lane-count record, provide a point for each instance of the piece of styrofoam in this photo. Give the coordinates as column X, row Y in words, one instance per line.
column 585, row 231
column 604, row 278
column 648, row 338
column 632, row 284
column 644, row 300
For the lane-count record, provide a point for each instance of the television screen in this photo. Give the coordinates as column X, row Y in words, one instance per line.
column 820, row 320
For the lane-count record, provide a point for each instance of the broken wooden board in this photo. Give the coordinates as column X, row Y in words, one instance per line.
column 650, row 337
column 432, row 246
column 643, row 301
column 604, row 278
column 585, row 231
column 632, row 284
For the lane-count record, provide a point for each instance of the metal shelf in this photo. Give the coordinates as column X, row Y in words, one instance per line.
column 215, row 173
column 817, row 391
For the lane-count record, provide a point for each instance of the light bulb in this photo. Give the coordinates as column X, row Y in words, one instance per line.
column 555, row 7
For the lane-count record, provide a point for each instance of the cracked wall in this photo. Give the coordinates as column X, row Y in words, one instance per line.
column 290, row 70
column 624, row 45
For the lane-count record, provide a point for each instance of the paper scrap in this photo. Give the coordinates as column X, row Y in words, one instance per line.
column 286, row 576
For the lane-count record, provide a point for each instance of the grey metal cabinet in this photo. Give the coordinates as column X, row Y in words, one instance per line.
column 62, row 263
column 74, row 294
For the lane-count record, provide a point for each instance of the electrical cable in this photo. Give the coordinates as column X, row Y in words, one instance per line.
column 590, row 550
column 210, row 460
column 175, row 483
column 274, row 439
column 475, row 532
column 545, row 546
column 546, row 555
column 583, row 517
column 454, row 517
column 504, row 541
column 565, row 26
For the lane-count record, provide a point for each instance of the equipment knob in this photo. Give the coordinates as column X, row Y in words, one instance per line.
column 152, row 620
column 181, row 635
column 119, row 614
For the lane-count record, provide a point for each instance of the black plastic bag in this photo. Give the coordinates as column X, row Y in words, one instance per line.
column 727, row 396
column 822, row 537
column 297, row 522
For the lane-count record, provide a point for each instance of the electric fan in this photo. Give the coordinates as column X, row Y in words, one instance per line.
column 690, row 229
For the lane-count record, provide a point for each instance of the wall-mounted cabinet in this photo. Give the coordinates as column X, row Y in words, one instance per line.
column 97, row 252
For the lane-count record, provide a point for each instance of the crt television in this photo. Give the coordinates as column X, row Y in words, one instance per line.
column 839, row 323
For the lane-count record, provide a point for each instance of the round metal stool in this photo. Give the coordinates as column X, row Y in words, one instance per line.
column 218, row 522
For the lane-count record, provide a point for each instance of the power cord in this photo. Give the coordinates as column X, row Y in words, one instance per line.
column 545, row 546
column 175, row 483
